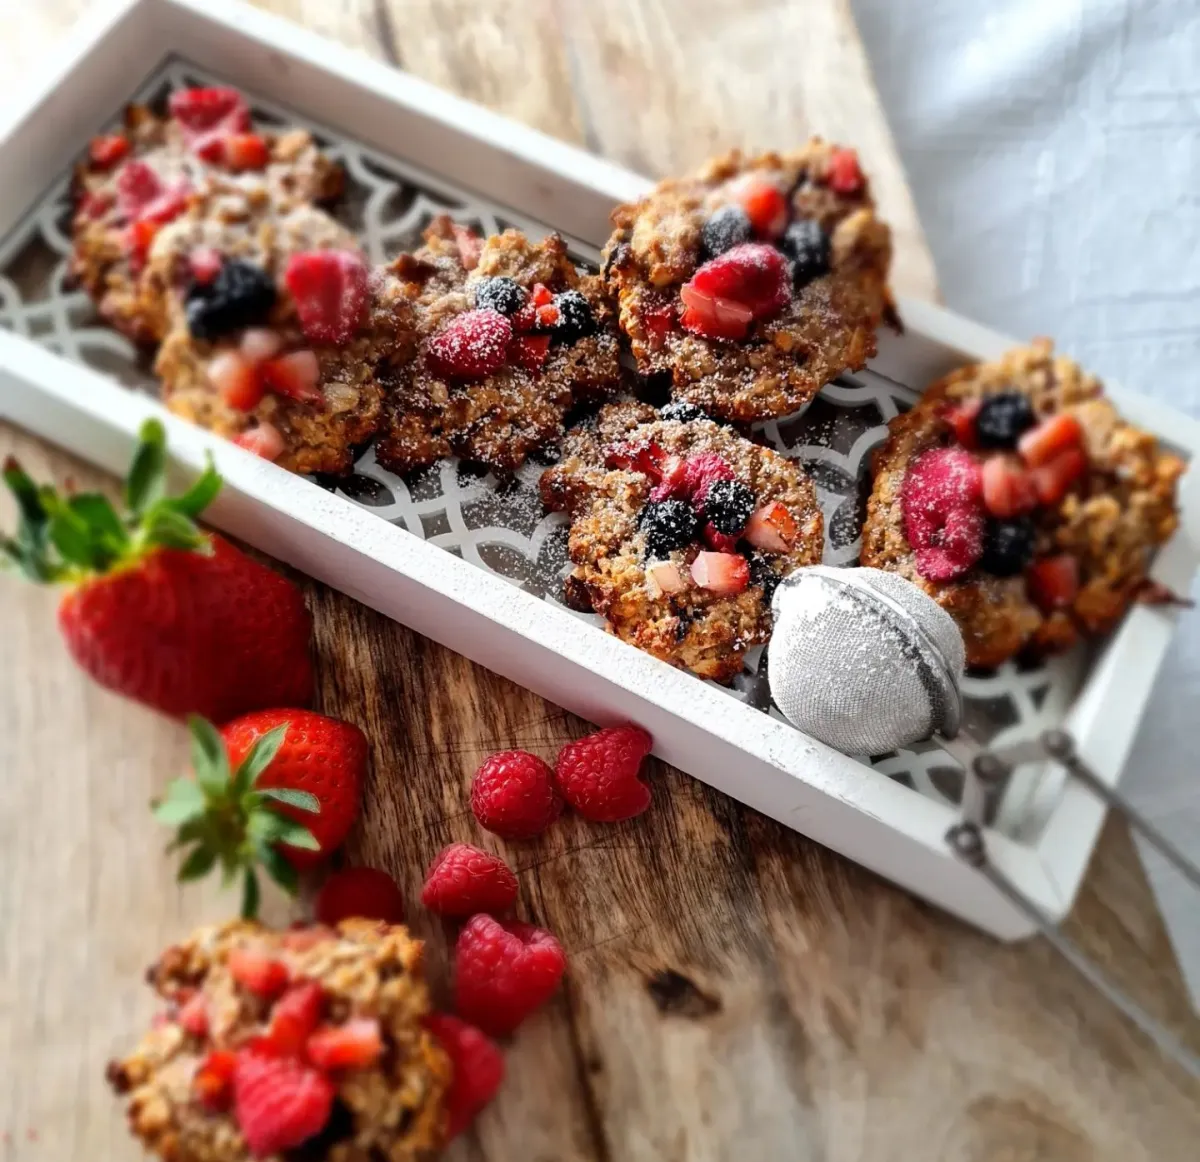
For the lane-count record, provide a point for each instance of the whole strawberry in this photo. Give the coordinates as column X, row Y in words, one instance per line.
column 157, row 609
column 599, row 775
column 243, row 809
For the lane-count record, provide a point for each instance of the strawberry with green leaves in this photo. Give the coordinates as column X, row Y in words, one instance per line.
column 155, row 608
column 276, row 790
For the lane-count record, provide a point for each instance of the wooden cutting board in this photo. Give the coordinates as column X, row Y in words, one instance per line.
column 735, row 992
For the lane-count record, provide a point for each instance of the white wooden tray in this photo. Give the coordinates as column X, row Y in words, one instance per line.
column 493, row 596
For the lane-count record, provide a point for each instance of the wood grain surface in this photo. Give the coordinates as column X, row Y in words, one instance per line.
column 735, row 991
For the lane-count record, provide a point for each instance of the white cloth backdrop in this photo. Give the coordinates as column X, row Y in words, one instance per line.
column 1053, row 148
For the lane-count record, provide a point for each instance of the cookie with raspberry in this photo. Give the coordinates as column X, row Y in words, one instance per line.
column 280, row 337
column 754, row 282
column 680, row 532
column 133, row 182
column 1016, row 496
column 510, row 336
column 275, row 1040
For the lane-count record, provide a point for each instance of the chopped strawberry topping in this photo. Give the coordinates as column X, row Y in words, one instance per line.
column 95, row 204
column 844, row 175
column 1053, row 479
column 649, row 458
column 105, row 151
column 295, row 1015
column 962, row 422
column 212, row 1082
column 193, row 1016
column 718, row 541
column 529, row 352
column 265, row 440
column 144, row 197
column 257, row 972
column 295, row 375
column 673, row 479
column 525, row 319
column 1008, row 489
column 207, row 116
column 259, row 343
column 1053, row 435
column 547, row 316
column 541, row 295
column 729, row 292
column 138, row 240
column 1053, row 582
column 204, row 264
column 470, row 246
column 764, row 203
column 772, row 528
column 724, row 573
column 471, row 345
column 236, row 379
column 356, row 1044
column 665, row 577
column 330, row 291
column 941, row 502
column 243, row 151
column 659, row 322
column 305, row 936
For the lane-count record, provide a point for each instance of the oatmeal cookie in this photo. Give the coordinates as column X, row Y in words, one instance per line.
column 510, row 336
column 1016, row 496
column 755, row 282
column 680, row 531
column 134, row 182
column 241, row 997
column 284, row 341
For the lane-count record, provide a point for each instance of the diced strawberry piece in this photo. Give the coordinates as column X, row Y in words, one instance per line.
column 478, row 1069
column 245, row 151
column 95, row 204
column 278, row 1102
column 265, row 440
column 724, row 573
column 259, row 343
column 659, row 321
column 143, row 196
column 329, row 288
column 962, row 422
column 471, row 345
column 356, row 1044
column 193, row 1016
column 1053, row 435
column 718, row 541
column 295, row 375
column 212, row 1082
column 665, row 577
column 649, row 458
column 525, row 319
column 236, row 380
column 204, row 264
column 1053, row 582
column 673, row 479
column 1008, row 489
column 713, row 321
column 547, row 316
column 207, row 117
column 529, row 352
column 301, row 937
column 138, row 239
column 1053, row 479
column 108, row 149
column 727, row 293
column 294, row 1016
column 772, row 528
column 257, row 972
column 764, row 203
column 844, row 175
column 470, row 246
column 541, row 295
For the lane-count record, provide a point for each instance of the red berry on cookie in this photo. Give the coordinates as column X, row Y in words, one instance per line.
column 478, row 1067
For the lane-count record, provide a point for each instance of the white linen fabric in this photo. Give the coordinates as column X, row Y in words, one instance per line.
column 1053, row 147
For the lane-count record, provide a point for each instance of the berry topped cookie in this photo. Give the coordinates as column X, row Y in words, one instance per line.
column 755, row 282
column 132, row 183
column 680, row 531
column 1015, row 495
column 305, row 1043
column 510, row 336
column 280, row 336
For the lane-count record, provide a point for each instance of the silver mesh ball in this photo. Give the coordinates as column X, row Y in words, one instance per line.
column 864, row 660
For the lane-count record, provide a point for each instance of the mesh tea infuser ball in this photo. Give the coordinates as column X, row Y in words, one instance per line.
column 864, row 660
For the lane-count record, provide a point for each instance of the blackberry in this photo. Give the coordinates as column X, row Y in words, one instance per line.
column 241, row 295
column 681, row 411
column 806, row 244
column 762, row 575
column 728, row 505
column 1007, row 546
column 668, row 524
column 726, row 228
column 1002, row 418
column 500, row 294
column 575, row 318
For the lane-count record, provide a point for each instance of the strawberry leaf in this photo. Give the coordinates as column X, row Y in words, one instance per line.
column 201, row 494
column 197, row 865
column 268, row 827
column 147, row 475
column 261, row 755
column 301, row 800
column 209, row 758
column 164, row 526
column 183, row 803
column 279, row 869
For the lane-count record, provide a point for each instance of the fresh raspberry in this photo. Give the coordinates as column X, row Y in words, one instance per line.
column 503, row 971
column 529, row 352
column 513, row 795
column 278, row 1103
column 257, row 972
column 701, row 471
column 105, row 151
column 471, row 345
column 294, row 1016
column 193, row 1016
column 354, row 1044
column 478, row 1067
column 330, row 291
column 212, row 1083
column 207, row 116
column 752, row 277
column 359, row 891
column 844, row 175
column 941, row 502
column 463, row 880
column 718, row 541
column 598, row 774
